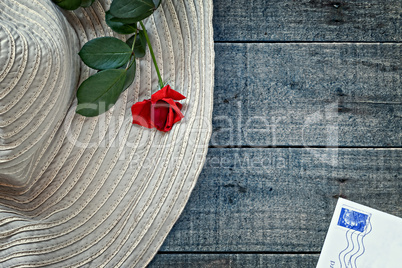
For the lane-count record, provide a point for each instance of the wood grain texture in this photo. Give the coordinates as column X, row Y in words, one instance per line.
column 303, row 75
column 234, row 260
column 308, row 95
column 307, row 20
column 280, row 200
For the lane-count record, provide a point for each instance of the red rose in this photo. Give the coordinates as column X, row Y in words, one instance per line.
column 161, row 111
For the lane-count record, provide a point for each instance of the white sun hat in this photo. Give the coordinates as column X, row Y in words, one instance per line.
column 100, row 191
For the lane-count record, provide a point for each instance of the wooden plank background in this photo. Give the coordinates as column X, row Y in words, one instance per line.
column 289, row 94
column 307, row 20
column 307, row 108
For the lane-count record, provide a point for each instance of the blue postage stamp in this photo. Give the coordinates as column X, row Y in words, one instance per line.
column 352, row 219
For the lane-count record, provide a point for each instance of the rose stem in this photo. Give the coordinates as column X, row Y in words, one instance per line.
column 132, row 53
column 152, row 54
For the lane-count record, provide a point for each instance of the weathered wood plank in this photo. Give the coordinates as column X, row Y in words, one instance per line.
column 234, row 260
column 308, row 20
column 282, row 199
column 308, row 95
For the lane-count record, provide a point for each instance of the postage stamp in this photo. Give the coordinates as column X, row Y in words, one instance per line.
column 352, row 219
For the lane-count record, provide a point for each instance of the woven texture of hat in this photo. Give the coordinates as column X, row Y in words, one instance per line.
column 95, row 192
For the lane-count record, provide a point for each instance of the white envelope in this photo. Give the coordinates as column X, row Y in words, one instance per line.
column 362, row 237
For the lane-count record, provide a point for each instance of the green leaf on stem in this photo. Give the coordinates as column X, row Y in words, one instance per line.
column 132, row 9
column 105, row 53
column 124, row 21
column 100, row 92
column 87, row 3
column 68, row 4
column 140, row 44
column 120, row 27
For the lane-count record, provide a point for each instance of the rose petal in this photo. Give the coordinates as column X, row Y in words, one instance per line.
column 169, row 121
column 160, row 113
column 166, row 92
column 141, row 112
column 175, row 107
column 178, row 104
column 177, row 117
column 176, row 113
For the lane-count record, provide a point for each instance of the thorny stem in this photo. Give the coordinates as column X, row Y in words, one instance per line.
column 152, row 55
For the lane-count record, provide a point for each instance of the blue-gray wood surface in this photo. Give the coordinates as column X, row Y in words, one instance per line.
column 307, row 109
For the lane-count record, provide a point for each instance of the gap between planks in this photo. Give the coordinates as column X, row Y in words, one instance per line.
column 304, row 42
column 302, row 147
column 241, row 252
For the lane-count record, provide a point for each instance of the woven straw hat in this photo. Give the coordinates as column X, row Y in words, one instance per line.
column 95, row 192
